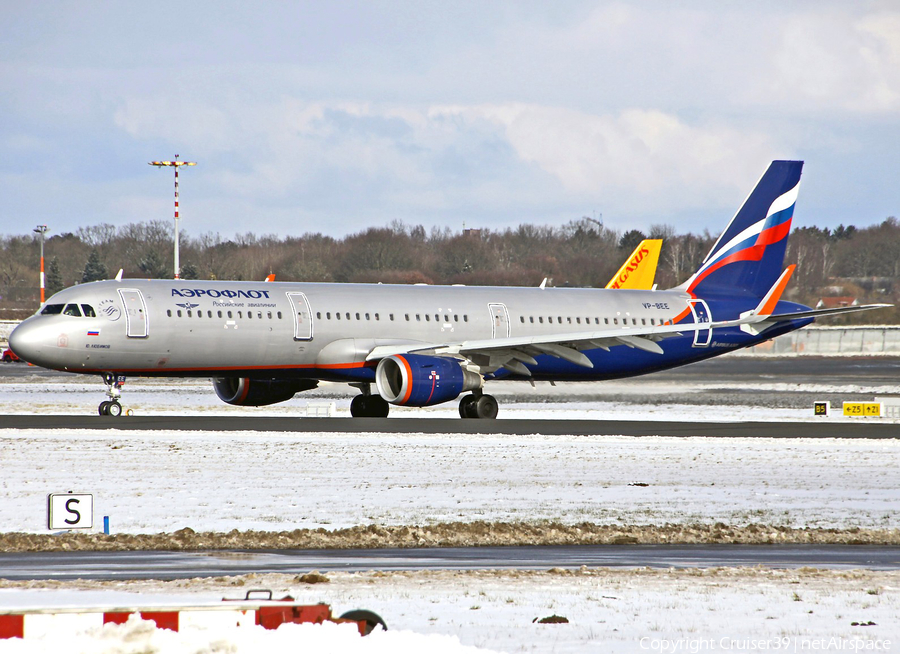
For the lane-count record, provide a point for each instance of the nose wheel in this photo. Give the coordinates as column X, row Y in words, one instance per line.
column 112, row 406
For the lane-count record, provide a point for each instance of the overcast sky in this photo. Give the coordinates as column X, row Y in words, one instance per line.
column 336, row 116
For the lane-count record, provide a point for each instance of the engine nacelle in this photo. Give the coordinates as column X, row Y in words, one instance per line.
column 243, row 391
column 418, row 380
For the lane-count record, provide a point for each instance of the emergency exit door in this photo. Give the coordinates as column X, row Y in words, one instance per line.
column 700, row 310
column 303, row 326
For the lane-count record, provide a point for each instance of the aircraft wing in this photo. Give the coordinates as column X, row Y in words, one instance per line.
column 489, row 355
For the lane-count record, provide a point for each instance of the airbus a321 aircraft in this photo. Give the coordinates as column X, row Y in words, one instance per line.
column 420, row 345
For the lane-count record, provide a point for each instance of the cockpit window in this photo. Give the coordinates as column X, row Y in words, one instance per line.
column 88, row 311
column 72, row 310
column 52, row 309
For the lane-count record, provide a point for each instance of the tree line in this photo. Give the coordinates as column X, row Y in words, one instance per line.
column 862, row 262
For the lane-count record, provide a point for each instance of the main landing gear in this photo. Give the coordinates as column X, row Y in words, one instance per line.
column 114, row 383
column 478, row 405
column 368, row 405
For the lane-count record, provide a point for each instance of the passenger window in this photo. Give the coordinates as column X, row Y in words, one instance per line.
column 348, row 315
column 240, row 314
column 209, row 314
column 578, row 320
column 367, row 316
column 446, row 318
column 606, row 321
column 455, row 317
column 218, row 314
column 72, row 310
column 200, row 313
column 531, row 319
column 653, row 321
column 318, row 315
column 541, row 319
column 229, row 314
column 357, row 316
column 643, row 321
column 569, row 320
column 437, row 317
column 615, row 321
column 52, row 309
column 407, row 317
column 169, row 312
column 279, row 315
column 259, row 314
column 88, row 311
column 391, row 316
column 597, row 321
column 377, row 317
column 189, row 314
column 427, row 317
column 418, row 318
column 337, row 315
column 328, row 315
column 465, row 317
column 269, row 315
column 522, row 319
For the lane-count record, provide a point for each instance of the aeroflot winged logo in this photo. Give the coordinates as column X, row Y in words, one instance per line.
column 216, row 293
column 187, row 305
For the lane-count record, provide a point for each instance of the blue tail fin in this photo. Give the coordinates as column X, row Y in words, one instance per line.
column 749, row 255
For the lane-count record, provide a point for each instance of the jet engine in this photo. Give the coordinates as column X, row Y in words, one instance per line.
column 243, row 391
column 418, row 380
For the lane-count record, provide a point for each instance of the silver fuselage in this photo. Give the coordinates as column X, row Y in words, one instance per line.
column 209, row 328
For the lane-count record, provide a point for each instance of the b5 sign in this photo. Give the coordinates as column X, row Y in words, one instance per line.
column 70, row 511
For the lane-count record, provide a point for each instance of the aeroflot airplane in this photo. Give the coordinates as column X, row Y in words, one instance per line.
column 262, row 343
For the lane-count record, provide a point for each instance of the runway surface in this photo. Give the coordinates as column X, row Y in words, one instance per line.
column 184, row 565
column 458, row 426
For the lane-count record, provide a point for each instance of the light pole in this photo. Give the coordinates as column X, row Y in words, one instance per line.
column 176, row 165
column 41, row 229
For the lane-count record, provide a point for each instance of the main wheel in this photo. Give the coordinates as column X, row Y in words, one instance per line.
column 103, row 409
column 377, row 407
column 114, row 409
column 369, row 406
column 467, row 407
column 486, row 407
column 358, row 406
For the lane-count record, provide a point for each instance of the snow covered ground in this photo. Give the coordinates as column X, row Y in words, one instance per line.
column 151, row 482
column 450, row 612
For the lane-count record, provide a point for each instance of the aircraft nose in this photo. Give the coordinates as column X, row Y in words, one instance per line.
column 27, row 342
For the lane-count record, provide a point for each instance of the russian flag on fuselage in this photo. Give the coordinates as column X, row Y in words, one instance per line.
column 749, row 255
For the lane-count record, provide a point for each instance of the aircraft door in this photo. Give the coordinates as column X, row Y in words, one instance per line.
column 499, row 321
column 135, row 312
column 303, row 326
column 700, row 309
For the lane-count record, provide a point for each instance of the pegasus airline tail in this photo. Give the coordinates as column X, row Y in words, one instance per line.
column 414, row 346
column 639, row 269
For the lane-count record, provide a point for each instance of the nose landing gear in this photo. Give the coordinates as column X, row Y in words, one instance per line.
column 114, row 384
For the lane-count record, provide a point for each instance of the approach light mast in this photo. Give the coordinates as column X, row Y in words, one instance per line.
column 176, row 165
